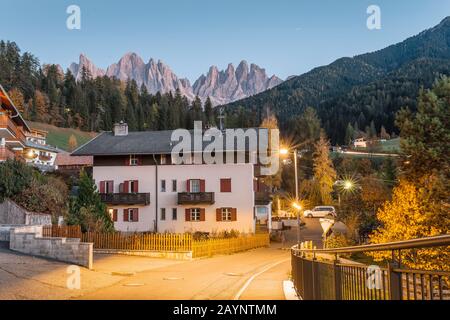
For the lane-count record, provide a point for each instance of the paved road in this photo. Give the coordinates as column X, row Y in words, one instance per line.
column 125, row 277
column 255, row 274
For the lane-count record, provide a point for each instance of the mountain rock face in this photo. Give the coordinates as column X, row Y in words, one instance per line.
column 221, row 86
column 84, row 62
column 233, row 84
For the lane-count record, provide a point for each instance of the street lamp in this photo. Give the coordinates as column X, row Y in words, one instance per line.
column 285, row 152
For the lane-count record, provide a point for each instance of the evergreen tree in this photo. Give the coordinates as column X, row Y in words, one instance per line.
column 349, row 134
column 209, row 113
column 87, row 209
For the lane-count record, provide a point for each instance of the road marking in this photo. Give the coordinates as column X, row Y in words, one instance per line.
column 249, row 281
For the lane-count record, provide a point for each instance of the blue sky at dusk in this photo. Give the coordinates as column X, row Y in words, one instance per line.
column 285, row 37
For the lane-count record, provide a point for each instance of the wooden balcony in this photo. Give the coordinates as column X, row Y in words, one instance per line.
column 6, row 154
column 7, row 123
column 126, row 198
column 262, row 198
column 188, row 198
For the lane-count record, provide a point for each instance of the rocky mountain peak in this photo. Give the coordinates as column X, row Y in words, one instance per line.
column 222, row 86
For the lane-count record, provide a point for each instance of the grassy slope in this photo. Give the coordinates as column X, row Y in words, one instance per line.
column 59, row 137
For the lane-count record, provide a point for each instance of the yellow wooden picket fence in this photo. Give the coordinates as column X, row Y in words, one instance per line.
column 161, row 241
column 210, row 247
column 139, row 241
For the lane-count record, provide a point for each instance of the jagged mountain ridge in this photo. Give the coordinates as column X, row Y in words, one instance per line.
column 222, row 87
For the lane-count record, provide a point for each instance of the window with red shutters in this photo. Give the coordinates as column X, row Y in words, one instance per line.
column 219, row 214
column 134, row 186
column 187, row 213
column 233, row 214
column 113, row 214
column 225, row 185
column 102, row 186
column 109, row 186
column 134, row 215
column 202, row 214
column 202, row 186
column 126, row 186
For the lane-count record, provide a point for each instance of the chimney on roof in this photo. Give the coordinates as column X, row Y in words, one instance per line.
column 120, row 129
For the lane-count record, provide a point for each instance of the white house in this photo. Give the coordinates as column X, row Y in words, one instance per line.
column 360, row 143
column 145, row 191
column 37, row 152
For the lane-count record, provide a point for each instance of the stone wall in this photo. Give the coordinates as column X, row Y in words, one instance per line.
column 11, row 213
column 29, row 240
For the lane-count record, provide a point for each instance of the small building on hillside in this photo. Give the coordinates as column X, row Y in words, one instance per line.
column 72, row 165
column 360, row 143
column 37, row 152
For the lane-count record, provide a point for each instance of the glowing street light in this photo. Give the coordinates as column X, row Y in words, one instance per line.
column 297, row 206
column 284, row 151
column 348, row 185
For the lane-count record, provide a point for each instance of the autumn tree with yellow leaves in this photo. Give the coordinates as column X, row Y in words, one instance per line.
column 420, row 204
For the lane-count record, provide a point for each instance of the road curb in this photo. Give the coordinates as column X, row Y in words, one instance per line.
column 289, row 291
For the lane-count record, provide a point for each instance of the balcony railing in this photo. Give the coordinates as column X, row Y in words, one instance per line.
column 126, row 198
column 6, row 122
column 196, row 198
column 262, row 198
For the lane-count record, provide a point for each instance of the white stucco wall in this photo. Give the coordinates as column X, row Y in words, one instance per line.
column 241, row 197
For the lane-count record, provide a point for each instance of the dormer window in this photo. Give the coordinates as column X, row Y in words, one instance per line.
column 134, row 160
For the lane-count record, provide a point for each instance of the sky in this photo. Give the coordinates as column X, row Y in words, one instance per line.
column 286, row 37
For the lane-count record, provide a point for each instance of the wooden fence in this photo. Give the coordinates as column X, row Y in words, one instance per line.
column 210, row 247
column 62, row 231
column 160, row 241
column 139, row 241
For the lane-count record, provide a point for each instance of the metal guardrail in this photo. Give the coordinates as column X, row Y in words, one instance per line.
column 336, row 280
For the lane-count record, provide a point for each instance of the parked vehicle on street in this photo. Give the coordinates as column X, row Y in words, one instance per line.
column 320, row 212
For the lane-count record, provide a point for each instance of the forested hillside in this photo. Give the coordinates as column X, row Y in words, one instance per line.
column 358, row 91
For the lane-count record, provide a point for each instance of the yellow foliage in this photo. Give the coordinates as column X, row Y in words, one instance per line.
column 410, row 215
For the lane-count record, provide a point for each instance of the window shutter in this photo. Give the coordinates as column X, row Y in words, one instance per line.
column 233, row 214
column 225, row 185
column 188, row 214
column 202, row 185
column 188, row 186
column 102, row 186
column 219, row 214
column 136, row 215
column 202, row 214
column 136, row 186
column 111, row 187
column 139, row 161
column 126, row 215
column 127, row 160
column 126, row 186
column 115, row 215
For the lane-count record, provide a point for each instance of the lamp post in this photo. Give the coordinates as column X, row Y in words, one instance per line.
column 295, row 205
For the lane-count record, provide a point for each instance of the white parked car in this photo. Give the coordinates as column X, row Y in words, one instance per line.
column 320, row 212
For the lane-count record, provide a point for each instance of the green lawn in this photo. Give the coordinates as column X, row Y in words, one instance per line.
column 59, row 137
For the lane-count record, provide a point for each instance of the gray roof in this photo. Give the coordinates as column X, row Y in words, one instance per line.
column 46, row 147
column 144, row 142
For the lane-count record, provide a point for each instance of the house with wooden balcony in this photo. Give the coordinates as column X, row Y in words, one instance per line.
column 37, row 152
column 145, row 190
column 12, row 129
